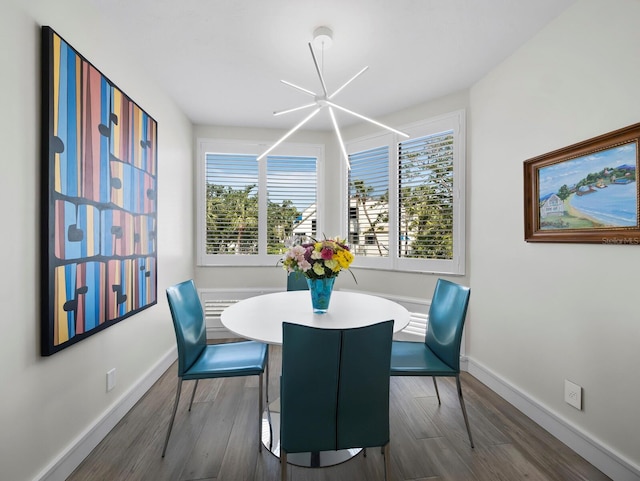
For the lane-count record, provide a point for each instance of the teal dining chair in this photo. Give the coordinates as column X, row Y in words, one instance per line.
column 439, row 354
column 334, row 389
column 199, row 360
column 297, row 282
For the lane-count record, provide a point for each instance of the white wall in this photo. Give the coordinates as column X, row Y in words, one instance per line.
column 47, row 403
column 543, row 313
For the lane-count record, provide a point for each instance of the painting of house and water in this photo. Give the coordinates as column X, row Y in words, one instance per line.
column 594, row 191
column 585, row 192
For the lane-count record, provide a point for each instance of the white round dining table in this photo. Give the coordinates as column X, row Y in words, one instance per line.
column 260, row 318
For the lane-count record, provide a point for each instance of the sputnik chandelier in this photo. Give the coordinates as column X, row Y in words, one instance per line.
column 323, row 36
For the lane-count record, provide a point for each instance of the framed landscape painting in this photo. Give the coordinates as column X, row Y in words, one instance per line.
column 98, row 200
column 587, row 192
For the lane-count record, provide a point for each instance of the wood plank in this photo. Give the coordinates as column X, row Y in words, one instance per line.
column 242, row 448
column 208, row 453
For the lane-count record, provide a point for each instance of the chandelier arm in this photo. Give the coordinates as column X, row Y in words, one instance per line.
column 348, row 82
column 285, row 136
column 315, row 62
column 295, row 109
column 379, row 124
column 340, row 141
column 308, row 92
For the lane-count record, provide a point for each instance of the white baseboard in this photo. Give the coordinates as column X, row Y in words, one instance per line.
column 61, row 467
column 598, row 454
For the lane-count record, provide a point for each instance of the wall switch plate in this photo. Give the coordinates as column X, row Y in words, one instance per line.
column 573, row 394
column 111, row 379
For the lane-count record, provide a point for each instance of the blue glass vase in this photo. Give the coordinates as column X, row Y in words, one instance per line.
column 320, row 293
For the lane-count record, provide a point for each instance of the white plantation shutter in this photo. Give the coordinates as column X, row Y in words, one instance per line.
column 291, row 184
column 249, row 209
column 235, row 178
column 419, row 223
column 425, row 190
column 368, row 219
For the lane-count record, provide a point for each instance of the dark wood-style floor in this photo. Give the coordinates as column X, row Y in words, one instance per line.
column 218, row 439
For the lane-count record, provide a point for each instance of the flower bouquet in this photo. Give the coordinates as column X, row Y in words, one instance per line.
column 320, row 262
column 318, row 259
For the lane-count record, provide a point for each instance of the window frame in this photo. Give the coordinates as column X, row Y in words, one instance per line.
column 454, row 121
column 250, row 147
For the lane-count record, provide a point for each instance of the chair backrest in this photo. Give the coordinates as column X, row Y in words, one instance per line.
column 446, row 319
column 335, row 387
column 188, row 322
column 297, row 282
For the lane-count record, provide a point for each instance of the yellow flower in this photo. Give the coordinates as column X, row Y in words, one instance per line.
column 344, row 258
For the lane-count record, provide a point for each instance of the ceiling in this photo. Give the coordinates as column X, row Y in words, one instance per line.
column 222, row 61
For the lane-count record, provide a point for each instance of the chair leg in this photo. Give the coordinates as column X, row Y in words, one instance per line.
column 283, row 465
column 193, row 394
column 436, row 386
column 464, row 409
column 266, row 367
column 260, row 413
column 173, row 416
column 386, row 452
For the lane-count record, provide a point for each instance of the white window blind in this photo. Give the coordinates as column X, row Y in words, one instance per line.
column 369, row 202
column 412, row 220
column 249, row 209
column 291, row 197
column 425, row 192
column 231, row 204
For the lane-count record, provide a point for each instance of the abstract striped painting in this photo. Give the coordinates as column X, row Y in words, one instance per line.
column 99, row 202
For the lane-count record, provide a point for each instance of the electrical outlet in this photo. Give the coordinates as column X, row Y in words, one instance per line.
column 573, row 394
column 111, row 379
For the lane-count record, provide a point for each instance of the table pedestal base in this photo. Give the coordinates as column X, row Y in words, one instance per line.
column 320, row 459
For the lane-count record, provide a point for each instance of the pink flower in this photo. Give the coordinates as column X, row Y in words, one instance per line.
column 304, row 265
column 326, row 254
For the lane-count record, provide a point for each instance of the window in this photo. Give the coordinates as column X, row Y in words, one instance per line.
column 231, row 204
column 249, row 209
column 406, row 198
column 369, row 201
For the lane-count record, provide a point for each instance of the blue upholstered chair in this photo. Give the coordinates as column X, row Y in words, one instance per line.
column 334, row 389
column 199, row 360
column 439, row 354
